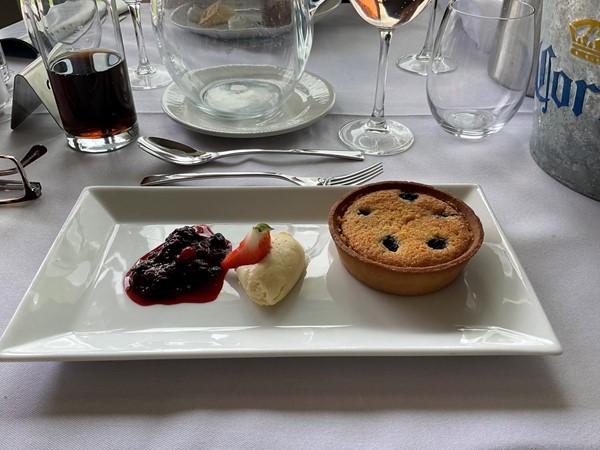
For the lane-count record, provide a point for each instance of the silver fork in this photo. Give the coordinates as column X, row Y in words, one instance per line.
column 358, row 177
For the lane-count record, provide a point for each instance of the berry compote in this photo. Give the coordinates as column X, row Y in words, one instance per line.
column 186, row 268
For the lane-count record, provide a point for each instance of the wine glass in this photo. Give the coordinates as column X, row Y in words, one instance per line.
column 417, row 62
column 145, row 75
column 376, row 135
column 6, row 74
column 5, row 102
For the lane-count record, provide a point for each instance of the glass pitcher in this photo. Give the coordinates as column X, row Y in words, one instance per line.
column 235, row 59
column 81, row 46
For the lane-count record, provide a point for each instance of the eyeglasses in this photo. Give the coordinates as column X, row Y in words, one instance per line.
column 17, row 189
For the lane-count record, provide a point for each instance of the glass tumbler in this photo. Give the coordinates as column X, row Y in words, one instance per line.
column 491, row 42
column 84, row 57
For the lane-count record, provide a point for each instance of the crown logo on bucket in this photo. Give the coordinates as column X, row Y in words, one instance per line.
column 585, row 39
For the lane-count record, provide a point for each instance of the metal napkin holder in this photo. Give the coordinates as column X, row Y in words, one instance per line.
column 30, row 90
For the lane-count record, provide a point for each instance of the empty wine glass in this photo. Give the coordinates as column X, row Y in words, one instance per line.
column 417, row 62
column 6, row 74
column 376, row 135
column 145, row 75
column 5, row 102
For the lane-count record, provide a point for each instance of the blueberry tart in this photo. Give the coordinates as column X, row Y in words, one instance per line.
column 404, row 238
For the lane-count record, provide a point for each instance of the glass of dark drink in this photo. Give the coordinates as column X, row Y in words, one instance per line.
column 84, row 58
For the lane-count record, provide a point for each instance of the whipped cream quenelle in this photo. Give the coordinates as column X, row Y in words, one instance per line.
column 272, row 278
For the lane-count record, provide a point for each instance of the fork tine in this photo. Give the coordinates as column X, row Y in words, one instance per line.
column 368, row 175
column 351, row 176
column 357, row 177
column 365, row 177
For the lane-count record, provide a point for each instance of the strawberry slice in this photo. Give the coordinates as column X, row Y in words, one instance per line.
column 254, row 247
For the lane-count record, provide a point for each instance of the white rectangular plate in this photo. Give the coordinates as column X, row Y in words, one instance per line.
column 76, row 308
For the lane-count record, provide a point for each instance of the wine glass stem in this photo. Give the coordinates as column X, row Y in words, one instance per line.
column 377, row 120
column 425, row 52
column 4, row 71
column 144, row 67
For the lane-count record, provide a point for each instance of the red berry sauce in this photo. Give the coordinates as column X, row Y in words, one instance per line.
column 186, row 268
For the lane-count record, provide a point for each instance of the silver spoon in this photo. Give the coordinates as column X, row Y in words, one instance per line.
column 184, row 155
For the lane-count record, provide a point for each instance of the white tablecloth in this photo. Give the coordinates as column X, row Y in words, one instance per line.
column 489, row 402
